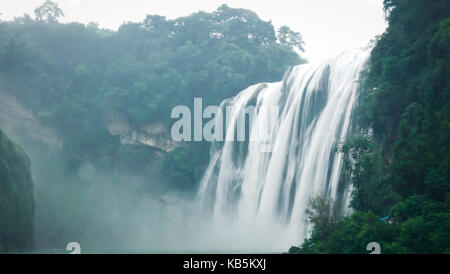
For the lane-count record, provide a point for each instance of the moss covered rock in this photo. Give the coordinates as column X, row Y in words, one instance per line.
column 16, row 197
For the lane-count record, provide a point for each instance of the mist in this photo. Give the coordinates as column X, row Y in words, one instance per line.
column 89, row 110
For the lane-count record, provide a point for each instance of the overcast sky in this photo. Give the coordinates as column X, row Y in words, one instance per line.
column 328, row 26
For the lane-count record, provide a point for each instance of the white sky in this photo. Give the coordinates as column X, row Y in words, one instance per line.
column 328, row 26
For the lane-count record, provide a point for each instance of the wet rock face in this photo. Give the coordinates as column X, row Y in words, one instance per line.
column 156, row 135
column 16, row 197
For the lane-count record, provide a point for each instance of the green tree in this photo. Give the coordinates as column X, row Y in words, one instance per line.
column 48, row 12
column 323, row 214
column 290, row 38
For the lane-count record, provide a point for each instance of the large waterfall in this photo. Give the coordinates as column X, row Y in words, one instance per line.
column 257, row 198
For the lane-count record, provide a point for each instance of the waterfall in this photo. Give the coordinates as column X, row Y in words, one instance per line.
column 257, row 199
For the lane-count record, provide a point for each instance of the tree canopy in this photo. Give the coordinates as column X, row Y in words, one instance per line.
column 144, row 69
column 49, row 11
column 72, row 75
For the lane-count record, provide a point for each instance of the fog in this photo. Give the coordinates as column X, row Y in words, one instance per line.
column 109, row 212
column 328, row 26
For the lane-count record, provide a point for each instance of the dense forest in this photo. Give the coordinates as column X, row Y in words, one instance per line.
column 72, row 75
column 74, row 78
column 397, row 160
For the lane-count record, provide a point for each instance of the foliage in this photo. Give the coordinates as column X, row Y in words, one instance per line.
column 184, row 166
column 351, row 236
column 363, row 169
column 72, row 76
column 403, row 168
column 49, row 11
column 420, row 226
column 323, row 214
column 290, row 38
column 16, row 197
column 408, row 103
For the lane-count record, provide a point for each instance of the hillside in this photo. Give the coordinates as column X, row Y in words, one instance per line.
column 397, row 161
column 16, row 197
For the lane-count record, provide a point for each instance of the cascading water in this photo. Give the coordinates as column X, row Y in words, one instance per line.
column 256, row 198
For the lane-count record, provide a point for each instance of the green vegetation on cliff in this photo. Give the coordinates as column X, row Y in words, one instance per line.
column 398, row 161
column 16, row 197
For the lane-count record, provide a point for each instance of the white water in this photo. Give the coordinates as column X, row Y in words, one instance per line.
column 257, row 200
